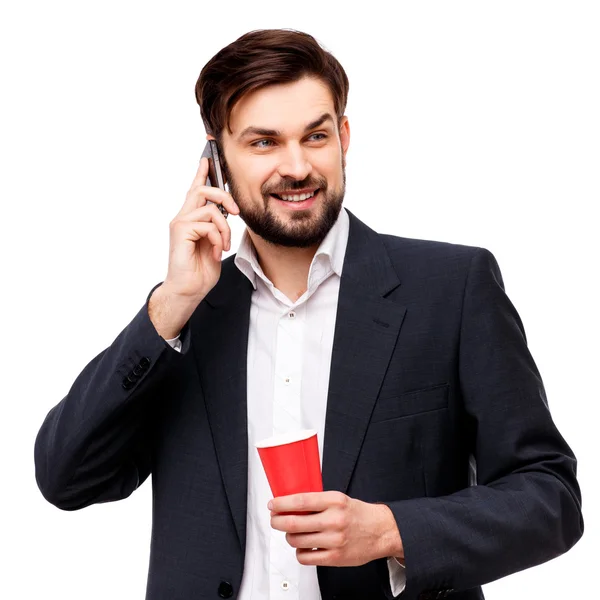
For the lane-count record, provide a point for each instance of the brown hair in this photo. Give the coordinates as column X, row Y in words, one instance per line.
column 260, row 58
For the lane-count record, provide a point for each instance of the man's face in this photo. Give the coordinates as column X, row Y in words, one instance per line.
column 285, row 139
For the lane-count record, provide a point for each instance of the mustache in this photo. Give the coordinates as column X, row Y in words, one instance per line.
column 297, row 185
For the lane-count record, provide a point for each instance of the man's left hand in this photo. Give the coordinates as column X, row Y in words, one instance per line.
column 340, row 532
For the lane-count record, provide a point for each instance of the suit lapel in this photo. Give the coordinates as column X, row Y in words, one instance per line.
column 221, row 345
column 367, row 327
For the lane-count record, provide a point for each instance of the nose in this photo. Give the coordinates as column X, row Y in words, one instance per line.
column 294, row 163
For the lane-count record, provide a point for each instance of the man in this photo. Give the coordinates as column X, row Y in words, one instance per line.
column 442, row 467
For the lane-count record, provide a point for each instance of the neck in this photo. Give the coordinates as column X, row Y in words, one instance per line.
column 286, row 268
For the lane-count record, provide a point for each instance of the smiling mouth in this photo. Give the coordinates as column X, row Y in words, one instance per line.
column 295, row 197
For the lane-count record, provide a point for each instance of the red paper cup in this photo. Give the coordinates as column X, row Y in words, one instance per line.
column 291, row 463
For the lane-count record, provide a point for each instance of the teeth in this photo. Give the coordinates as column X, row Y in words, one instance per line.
column 296, row 197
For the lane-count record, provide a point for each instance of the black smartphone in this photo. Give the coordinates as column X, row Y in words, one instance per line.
column 215, row 174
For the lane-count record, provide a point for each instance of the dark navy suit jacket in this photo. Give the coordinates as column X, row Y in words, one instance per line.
column 435, row 408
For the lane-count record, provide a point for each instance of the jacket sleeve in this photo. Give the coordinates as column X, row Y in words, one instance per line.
column 95, row 445
column 525, row 508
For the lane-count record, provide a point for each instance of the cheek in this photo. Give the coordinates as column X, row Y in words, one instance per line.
column 256, row 175
column 330, row 165
column 333, row 174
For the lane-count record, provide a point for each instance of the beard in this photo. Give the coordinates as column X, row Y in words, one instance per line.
column 303, row 228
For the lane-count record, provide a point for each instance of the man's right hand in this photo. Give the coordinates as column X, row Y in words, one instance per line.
column 199, row 234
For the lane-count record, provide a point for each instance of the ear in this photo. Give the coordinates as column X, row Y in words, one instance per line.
column 210, row 137
column 344, row 135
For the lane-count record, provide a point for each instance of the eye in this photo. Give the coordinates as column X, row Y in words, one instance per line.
column 258, row 143
column 323, row 136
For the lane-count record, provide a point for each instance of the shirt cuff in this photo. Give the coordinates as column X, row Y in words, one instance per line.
column 175, row 343
column 397, row 573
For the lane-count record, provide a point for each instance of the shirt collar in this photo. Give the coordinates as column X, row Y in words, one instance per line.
column 328, row 259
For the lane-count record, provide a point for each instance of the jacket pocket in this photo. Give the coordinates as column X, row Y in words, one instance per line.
column 411, row 403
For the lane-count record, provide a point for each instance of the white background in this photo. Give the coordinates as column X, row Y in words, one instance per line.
column 471, row 122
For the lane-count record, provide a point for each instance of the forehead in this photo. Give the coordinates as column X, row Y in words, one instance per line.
column 286, row 107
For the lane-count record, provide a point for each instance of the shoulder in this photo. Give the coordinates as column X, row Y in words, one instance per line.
column 427, row 248
column 432, row 255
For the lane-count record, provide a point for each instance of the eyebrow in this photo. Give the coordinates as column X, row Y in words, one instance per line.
column 276, row 133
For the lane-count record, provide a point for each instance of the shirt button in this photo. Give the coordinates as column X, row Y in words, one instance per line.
column 288, row 379
column 285, row 586
column 292, row 315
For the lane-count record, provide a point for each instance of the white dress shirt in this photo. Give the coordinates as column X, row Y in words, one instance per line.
column 289, row 358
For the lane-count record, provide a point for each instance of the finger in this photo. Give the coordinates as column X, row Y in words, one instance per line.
column 214, row 237
column 211, row 214
column 216, row 195
column 308, row 541
column 199, row 195
column 308, row 501
column 201, row 173
column 199, row 179
column 199, row 192
column 308, row 523
column 314, row 557
column 194, row 231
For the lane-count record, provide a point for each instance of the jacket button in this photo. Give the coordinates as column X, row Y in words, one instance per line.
column 225, row 589
column 145, row 363
column 138, row 371
column 127, row 383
